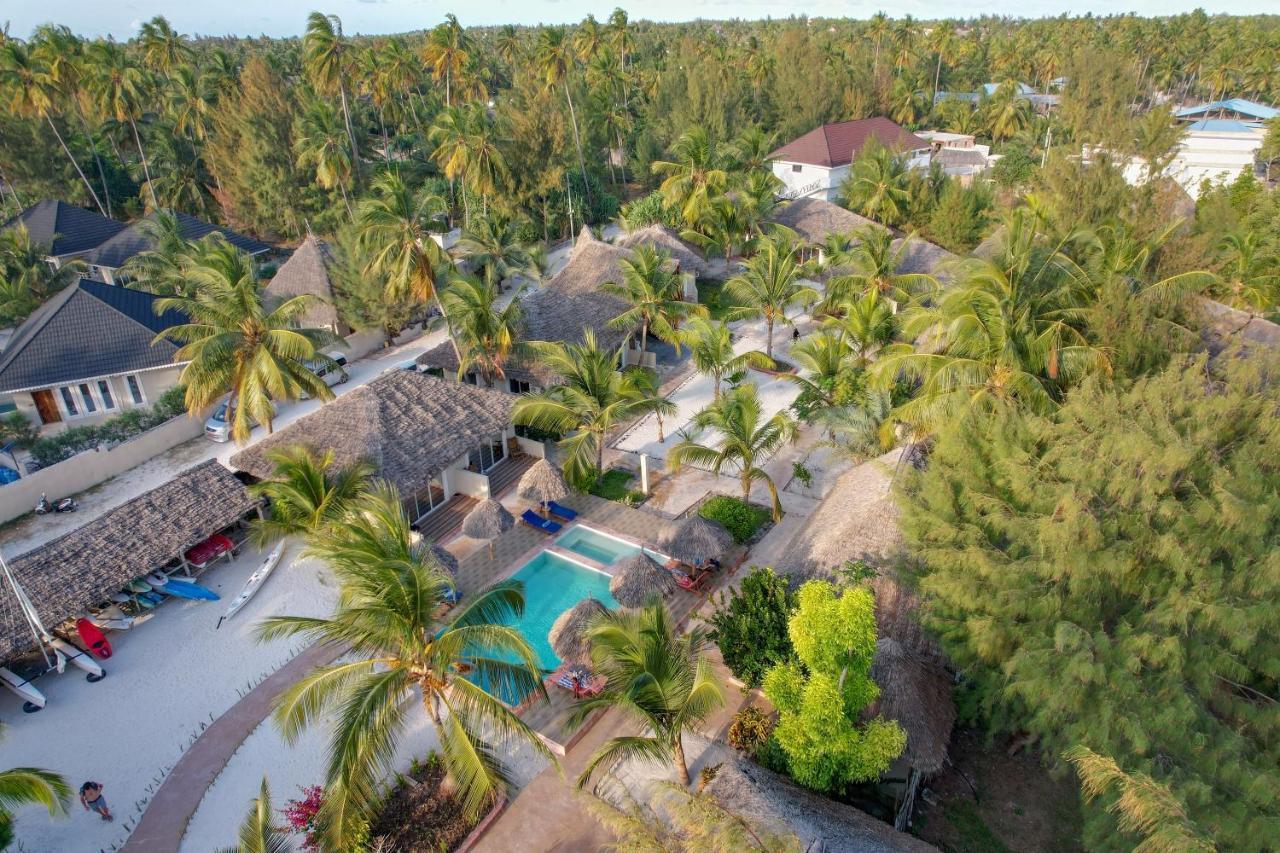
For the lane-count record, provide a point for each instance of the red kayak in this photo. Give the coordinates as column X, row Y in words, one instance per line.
column 93, row 638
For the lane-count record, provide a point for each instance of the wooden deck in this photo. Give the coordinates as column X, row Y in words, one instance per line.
column 448, row 518
column 506, row 473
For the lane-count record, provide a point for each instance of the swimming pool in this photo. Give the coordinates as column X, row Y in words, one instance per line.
column 601, row 547
column 553, row 584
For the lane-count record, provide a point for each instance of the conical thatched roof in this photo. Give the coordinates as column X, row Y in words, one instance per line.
column 445, row 558
column 543, row 482
column 568, row 636
column 663, row 238
column 488, row 520
column 308, row 273
column 637, row 578
column 913, row 693
column 815, row 219
column 698, row 539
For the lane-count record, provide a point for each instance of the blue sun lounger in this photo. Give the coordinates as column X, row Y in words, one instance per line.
column 534, row 520
column 560, row 511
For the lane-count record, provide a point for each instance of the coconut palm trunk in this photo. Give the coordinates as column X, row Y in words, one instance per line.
column 577, row 139
column 351, row 133
column 79, row 171
column 146, row 169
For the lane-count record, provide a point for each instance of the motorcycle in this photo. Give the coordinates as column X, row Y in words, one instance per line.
column 44, row 507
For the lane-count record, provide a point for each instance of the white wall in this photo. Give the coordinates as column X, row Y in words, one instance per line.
column 803, row 180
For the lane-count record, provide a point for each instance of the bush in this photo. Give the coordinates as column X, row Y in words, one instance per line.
column 750, row 728
column 121, row 428
column 612, row 486
column 421, row 814
column 750, row 625
column 15, row 429
column 740, row 518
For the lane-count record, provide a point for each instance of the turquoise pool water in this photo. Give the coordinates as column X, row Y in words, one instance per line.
column 601, row 547
column 553, row 584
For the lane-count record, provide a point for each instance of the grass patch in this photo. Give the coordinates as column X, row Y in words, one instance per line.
column 712, row 295
column 613, row 486
column 970, row 832
column 741, row 519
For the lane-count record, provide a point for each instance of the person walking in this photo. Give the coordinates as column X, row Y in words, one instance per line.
column 91, row 798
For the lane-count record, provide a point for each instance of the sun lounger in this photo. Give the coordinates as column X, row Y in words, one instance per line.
column 578, row 681
column 537, row 522
column 691, row 584
column 560, row 511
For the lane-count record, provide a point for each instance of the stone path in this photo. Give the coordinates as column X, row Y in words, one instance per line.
column 165, row 821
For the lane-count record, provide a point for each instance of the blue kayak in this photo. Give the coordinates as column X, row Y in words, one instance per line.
column 187, row 589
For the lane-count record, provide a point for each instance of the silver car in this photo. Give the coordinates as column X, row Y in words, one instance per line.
column 216, row 427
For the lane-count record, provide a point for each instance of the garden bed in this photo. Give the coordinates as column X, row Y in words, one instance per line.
column 746, row 522
column 419, row 816
column 614, row 485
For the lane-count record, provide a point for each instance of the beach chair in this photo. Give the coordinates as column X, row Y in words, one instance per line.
column 560, row 511
column 691, row 584
column 537, row 522
column 578, row 681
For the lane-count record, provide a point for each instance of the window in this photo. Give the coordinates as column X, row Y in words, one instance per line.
column 86, row 396
column 68, row 402
column 471, row 379
column 104, row 393
column 518, row 386
column 135, row 390
column 796, row 167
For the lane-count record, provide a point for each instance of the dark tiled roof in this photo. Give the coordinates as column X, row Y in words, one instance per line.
column 88, row 329
column 134, row 239
column 67, row 229
column 838, row 144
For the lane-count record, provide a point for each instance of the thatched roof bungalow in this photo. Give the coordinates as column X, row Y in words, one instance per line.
column 858, row 520
column 430, row 438
column 308, row 272
column 664, row 239
column 921, row 256
column 82, row 568
column 815, row 220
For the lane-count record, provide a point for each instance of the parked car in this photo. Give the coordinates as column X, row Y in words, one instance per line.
column 216, row 427
column 332, row 374
column 408, row 364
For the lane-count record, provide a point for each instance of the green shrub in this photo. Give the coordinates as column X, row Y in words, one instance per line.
column 612, row 486
column 750, row 728
column 124, row 426
column 750, row 625
column 741, row 519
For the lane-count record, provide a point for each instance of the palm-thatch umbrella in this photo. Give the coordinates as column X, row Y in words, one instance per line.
column 488, row 520
column 543, row 482
column 638, row 577
column 568, row 636
column 445, row 558
column 698, row 540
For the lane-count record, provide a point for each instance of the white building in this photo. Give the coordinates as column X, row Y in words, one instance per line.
column 1216, row 150
column 959, row 154
column 816, row 164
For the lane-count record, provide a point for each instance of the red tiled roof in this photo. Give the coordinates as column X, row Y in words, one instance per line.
column 837, row 144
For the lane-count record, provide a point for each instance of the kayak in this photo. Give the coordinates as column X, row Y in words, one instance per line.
column 187, row 589
column 156, row 579
column 93, row 637
column 138, row 585
column 255, row 582
column 115, row 619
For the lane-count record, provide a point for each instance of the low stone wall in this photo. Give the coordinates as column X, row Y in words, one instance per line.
column 87, row 469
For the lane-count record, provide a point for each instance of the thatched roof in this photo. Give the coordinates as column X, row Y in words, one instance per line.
column 307, row 273
column 663, row 238
column 445, row 558
column 543, row 482
column 921, row 256
column 637, row 578
column 696, row 540
column 858, row 520
column 444, row 357
column 409, row 425
column 776, row 803
column 568, row 636
column 82, row 568
column 815, row 220
column 488, row 520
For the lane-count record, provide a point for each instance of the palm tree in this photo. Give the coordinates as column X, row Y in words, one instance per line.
column 391, row 588
column 306, row 494
column 162, row 268
column 325, row 57
column 27, row 279
column 652, row 289
column 655, row 675
column 825, row 357
column 121, row 87
column 319, row 139
column 651, row 399
column 163, row 48
column 745, row 440
column 770, row 286
column 556, row 60
column 446, row 53
column 866, row 325
column 234, row 343
column 259, row 833
column 591, row 397
column 23, row 786
column 878, row 27
column 875, row 264
column 29, row 90
column 493, row 246
column 710, row 346
column 487, row 337
column 878, row 186
column 942, row 42
column 1006, row 111
column 1247, row 278
column 694, row 177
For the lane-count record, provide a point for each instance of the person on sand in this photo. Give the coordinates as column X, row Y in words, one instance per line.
column 91, row 798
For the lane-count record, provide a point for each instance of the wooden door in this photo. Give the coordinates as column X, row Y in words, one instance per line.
column 46, row 406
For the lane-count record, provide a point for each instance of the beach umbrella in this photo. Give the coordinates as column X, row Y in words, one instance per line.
column 698, row 539
column 543, row 482
column 445, row 558
column 488, row 520
column 568, row 636
column 638, row 577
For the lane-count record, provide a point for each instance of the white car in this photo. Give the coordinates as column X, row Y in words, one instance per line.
column 216, row 427
column 332, row 374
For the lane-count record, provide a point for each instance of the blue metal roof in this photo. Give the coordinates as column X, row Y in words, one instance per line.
column 1243, row 106
column 1222, row 125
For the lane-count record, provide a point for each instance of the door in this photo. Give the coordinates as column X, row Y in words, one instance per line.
column 46, row 406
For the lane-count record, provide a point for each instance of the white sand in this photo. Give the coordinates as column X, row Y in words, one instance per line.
column 167, row 678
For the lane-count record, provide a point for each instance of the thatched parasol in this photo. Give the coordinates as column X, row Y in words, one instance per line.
column 698, row 540
column 638, row 577
column 445, row 558
column 543, row 482
column 568, row 635
column 488, row 520
column 916, row 692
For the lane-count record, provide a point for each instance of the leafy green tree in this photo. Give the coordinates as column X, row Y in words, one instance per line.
column 821, row 697
column 654, row 674
column 162, row 268
column 749, row 625
column 1112, row 600
column 396, row 224
column 652, row 289
column 770, row 286
column 391, row 589
column 323, row 149
column 743, row 439
column 874, row 263
column 26, row 278
column 694, row 176
column 306, row 494
column 961, row 217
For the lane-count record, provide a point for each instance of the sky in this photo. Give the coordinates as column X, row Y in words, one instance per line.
column 121, row 18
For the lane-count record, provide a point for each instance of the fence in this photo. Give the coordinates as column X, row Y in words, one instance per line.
column 91, row 467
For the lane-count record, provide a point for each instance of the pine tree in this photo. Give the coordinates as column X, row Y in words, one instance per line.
column 1106, row 576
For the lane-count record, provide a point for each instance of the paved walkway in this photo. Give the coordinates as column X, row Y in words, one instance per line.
column 165, row 821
